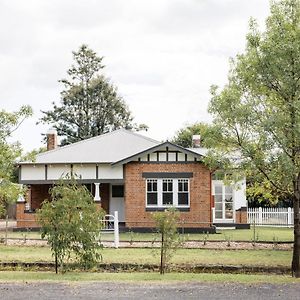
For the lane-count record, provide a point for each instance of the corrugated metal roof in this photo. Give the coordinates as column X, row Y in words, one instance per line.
column 106, row 148
column 201, row 151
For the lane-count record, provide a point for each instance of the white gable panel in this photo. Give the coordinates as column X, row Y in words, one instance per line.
column 181, row 156
column 153, row 157
column 162, row 156
column 84, row 171
column 144, row 158
column 172, row 156
column 106, row 171
column 190, row 158
column 32, row 172
column 56, row 172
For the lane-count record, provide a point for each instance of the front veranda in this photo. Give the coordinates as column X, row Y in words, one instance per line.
column 110, row 196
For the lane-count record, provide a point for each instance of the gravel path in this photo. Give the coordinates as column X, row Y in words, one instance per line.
column 188, row 244
column 109, row 290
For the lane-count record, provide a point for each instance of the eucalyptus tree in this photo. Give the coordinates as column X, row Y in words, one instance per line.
column 257, row 114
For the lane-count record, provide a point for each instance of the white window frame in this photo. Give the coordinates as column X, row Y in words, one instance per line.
column 221, row 184
column 160, row 193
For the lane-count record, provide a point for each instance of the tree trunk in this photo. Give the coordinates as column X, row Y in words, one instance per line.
column 296, row 249
column 56, row 263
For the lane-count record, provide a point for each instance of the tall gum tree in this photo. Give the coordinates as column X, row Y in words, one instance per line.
column 256, row 125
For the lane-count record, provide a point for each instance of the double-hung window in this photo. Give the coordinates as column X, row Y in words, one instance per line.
column 151, row 192
column 183, row 192
column 165, row 192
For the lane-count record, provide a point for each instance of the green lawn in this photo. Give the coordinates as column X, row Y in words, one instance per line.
column 15, row 276
column 268, row 234
column 144, row 256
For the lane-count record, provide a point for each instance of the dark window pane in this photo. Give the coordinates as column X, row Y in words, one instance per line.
column 152, row 198
column 149, row 186
column 183, row 198
column 165, row 186
column 186, row 187
column 117, row 191
column 155, row 186
column 167, row 198
column 180, row 186
column 170, row 186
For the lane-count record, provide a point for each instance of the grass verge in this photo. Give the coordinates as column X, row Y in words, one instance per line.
column 144, row 256
column 16, row 276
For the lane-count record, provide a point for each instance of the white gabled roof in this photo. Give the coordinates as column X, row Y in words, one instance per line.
column 106, row 148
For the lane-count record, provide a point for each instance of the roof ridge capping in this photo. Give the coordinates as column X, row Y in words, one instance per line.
column 98, row 137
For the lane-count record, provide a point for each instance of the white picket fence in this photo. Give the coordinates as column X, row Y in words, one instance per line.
column 282, row 217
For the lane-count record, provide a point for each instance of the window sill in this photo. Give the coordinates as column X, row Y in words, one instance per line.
column 164, row 208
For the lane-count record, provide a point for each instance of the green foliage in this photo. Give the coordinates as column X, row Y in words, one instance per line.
column 184, row 135
column 90, row 104
column 71, row 223
column 257, row 114
column 9, row 153
column 31, row 155
column 166, row 224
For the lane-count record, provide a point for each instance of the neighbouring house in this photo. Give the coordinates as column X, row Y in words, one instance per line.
column 135, row 175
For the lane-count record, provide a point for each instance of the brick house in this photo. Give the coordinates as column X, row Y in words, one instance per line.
column 135, row 175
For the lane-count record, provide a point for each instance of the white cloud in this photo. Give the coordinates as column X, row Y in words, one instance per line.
column 162, row 54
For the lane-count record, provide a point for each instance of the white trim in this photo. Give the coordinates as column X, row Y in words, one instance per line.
column 160, row 193
column 223, row 186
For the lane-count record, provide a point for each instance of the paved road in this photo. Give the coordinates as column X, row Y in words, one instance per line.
column 144, row 291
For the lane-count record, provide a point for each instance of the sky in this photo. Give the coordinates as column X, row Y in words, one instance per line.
column 163, row 55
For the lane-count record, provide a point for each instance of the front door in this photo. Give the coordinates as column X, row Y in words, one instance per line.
column 223, row 203
column 117, row 201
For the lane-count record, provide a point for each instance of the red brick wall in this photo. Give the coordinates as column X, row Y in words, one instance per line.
column 25, row 220
column 39, row 193
column 241, row 216
column 135, row 193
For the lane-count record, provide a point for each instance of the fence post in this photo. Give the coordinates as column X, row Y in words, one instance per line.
column 6, row 228
column 289, row 217
column 213, row 214
column 116, row 230
column 260, row 219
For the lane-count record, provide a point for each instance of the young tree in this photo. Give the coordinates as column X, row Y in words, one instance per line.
column 90, row 104
column 257, row 114
column 184, row 136
column 71, row 223
column 9, row 153
column 166, row 224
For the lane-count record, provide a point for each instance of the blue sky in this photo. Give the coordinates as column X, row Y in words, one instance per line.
column 162, row 54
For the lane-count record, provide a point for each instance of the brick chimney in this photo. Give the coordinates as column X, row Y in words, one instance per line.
column 51, row 139
column 196, row 141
